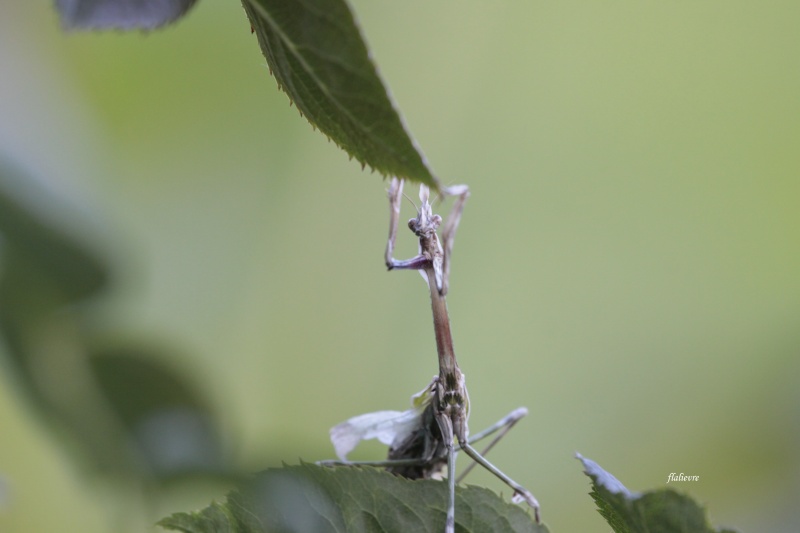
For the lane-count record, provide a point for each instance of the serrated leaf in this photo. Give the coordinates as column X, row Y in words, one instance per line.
column 316, row 53
column 656, row 511
column 121, row 14
column 308, row 498
column 214, row 518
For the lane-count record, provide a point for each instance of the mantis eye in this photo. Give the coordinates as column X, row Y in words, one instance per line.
column 412, row 224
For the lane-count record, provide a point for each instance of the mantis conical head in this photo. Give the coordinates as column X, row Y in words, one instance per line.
column 426, row 223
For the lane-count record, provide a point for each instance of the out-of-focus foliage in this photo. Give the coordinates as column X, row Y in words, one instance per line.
column 117, row 408
column 40, row 254
column 121, row 14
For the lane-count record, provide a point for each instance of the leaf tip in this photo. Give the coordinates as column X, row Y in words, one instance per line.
column 602, row 478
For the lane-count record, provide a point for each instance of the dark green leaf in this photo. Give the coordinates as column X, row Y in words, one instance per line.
column 165, row 417
column 657, row 511
column 40, row 251
column 121, row 14
column 316, row 52
column 46, row 263
column 216, row 518
column 311, row 498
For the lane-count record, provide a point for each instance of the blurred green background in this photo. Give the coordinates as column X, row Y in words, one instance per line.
column 627, row 266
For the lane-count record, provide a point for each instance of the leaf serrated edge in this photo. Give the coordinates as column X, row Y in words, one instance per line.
column 175, row 521
column 428, row 178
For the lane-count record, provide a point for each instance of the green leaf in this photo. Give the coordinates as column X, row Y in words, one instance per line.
column 120, row 14
column 311, row 498
column 166, row 419
column 316, row 53
column 656, row 511
column 46, row 261
column 46, row 264
column 214, row 518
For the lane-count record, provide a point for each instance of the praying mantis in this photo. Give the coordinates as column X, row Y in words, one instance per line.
column 425, row 438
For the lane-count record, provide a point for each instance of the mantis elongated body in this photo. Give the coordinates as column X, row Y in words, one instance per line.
column 450, row 402
column 425, row 439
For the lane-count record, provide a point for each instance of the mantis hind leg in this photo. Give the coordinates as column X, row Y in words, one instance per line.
column 446, row 427
column 503, row 425
column 520, row 492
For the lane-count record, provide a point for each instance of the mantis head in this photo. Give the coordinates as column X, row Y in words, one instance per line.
column 426, row 223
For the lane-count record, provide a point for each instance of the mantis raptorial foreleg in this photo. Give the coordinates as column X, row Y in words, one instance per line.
column 461, row 192
column 395, row 193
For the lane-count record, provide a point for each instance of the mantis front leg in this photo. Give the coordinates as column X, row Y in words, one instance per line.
column 432, row 254
column 395, row 194
column 461, row 192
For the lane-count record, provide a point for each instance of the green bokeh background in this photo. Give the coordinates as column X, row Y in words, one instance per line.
column 627, row 266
